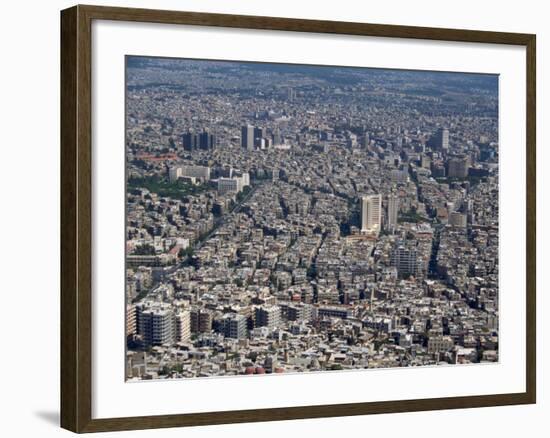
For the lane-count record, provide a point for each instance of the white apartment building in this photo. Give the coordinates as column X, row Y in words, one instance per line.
column 201, row 172
column 371, row 213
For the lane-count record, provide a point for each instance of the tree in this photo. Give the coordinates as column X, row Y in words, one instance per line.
column 183, row 252
column 145, row 249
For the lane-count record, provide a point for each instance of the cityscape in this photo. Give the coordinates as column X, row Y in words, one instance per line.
column 294, row 218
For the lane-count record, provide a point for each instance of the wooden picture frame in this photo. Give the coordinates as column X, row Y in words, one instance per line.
column 76, row 218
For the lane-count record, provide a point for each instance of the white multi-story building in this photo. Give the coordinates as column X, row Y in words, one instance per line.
column 174, row 173
column 156, row 324
column 201, row 172
column 371, row 213
column 268, row 316
column 226, row 185
column 235, row 184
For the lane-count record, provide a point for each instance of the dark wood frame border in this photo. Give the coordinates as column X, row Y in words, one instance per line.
column 76, row 225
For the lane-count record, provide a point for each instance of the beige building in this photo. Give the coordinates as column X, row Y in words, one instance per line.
column 183, row 326
column 371, row 213
column 439, row 344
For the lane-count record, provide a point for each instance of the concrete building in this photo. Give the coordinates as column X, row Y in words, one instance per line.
column 291, row 94
column 207, row 141
column 183, row 326
column 131, row 326
column 393, row 209
column 268, row 316
column 201, row 321
column 235, row 184
column 439, row 344
column 234, row 326
column 157, row 324
column 457, row 167
column 259, row 138
column 201, row 172
column 334, row 312
column 441, row 139
column 399, row 175
column 174, row 173
column 296, row 311
column 457, row 219
column 425, row 161
column 277, row 139
column 190, row 141
column 406, row 259
column 247, row 137
column 227, row 185
column 371, row 213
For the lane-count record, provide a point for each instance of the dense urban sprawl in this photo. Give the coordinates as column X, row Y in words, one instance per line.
column 294, row 218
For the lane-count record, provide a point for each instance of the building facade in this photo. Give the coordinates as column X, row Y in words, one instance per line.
column 393, row 210
column 371, row 213
column 157, row 324
column 247, row 137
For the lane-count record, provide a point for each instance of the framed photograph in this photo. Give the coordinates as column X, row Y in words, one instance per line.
column 270, row 219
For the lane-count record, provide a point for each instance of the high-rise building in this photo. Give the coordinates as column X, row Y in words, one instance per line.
column 190, row 141
column 406, row 258
column 259, row 136
column 296, row 311
column 438, row 169
column 371, row 213
column 247, row 137
column 277, row 139
column 425, row 161
column 131, row 327
column 245, row 179
column 268, row 316
column 291, row 94
column 183, row 326
column 441, row 139
column 206, row 140
column 234, row 326
column 458, row 167
column 156, row 324
column 201, row 320
column 393, row 209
